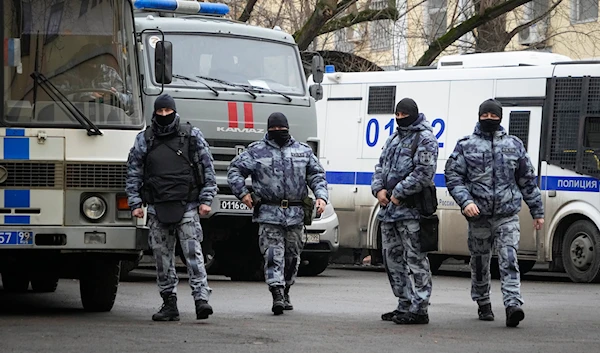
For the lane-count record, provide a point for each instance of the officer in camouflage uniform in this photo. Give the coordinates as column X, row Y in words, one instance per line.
column 488, row 175
column 398, row 175
column 163, row 178
column 281, row 169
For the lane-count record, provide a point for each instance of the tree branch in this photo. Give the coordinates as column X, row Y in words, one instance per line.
column 438, row 46
column 324, row 11
column 245, row 16
column 521, row 27
column 362, row 16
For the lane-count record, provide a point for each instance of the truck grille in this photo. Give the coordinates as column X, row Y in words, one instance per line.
column 224, row 151
column 33, row 175
column 96, row 176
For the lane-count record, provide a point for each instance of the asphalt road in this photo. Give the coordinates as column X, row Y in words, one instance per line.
column 338, row 311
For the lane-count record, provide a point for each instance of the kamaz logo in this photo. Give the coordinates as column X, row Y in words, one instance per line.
column 239, row 129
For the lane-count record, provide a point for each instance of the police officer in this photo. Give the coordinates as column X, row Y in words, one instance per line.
column 399, row 175
column 488, row 175
column 170, row 168
column 281, row 169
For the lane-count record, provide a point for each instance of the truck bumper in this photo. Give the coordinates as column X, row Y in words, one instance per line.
column 98, row 239
column 327, row 230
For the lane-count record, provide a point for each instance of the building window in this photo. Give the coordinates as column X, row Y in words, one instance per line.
column 584, row 11
column 380, row 33
column 436, row 21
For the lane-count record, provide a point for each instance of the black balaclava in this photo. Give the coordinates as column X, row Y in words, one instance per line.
column 407, row 106
column 494, row 107
column 164, row 101
column 279, row 136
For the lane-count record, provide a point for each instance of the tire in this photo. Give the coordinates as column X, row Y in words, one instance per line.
column 208, row 253
column 581, row 252
column 98, row 285
column 526, row 266
column 316, row 265
column 45, row 284
column 15, row 282
column 435, row 262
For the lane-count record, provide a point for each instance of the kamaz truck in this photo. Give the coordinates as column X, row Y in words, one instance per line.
column 227, row 77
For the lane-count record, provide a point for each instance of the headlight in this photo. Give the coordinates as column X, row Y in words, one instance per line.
column 94, row 208
column 328, row 212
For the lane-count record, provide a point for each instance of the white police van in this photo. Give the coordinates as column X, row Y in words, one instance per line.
column 549, row 101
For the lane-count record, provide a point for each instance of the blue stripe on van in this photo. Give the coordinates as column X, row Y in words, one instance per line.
column 16, row 147
column 17, row 219
column 556, row 183
column 17, row 198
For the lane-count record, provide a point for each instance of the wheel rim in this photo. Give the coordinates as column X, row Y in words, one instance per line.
column 582, row 251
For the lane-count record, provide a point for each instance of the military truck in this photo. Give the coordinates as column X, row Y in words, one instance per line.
column 226, row 78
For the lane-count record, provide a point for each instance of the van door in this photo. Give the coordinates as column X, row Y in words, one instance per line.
column 341, row 134
column 525, row 122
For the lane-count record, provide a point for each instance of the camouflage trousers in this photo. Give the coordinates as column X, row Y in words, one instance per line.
column 503, row 234
column 281, row 248
column 407, row 267
column 162, row 243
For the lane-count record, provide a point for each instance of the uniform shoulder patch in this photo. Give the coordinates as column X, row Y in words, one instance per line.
column 426, row 158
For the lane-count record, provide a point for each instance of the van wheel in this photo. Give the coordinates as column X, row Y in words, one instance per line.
column 98, row 284
column 581, row 252
column 435, row 262
column 524, row 267
column 316, row 265
column 15, row 282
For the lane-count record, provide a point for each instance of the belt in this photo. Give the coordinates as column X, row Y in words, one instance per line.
column 283, row 203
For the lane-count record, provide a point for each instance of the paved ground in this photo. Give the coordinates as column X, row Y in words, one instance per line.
column 338, row 311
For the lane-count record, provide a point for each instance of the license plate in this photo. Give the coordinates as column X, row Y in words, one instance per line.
column 16, row 238
column 311, row 238
column 233, row 205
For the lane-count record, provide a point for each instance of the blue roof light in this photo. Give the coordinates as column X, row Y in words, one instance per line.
column 183, row 6
column 329, row 69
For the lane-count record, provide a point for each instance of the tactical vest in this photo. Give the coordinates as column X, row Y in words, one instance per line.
column 169, row 171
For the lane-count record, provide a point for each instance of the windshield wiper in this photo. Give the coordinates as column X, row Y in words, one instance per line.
column 259, row 89
column 57, row 96
column 181, row 77
column 228, row 84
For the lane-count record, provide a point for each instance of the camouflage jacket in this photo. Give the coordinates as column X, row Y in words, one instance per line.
column 135, row 168
column 278, row 173
column 400, row 173
column 494, row 172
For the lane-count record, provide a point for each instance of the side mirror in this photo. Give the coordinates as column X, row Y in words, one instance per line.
column 163, row 62
column 316, row 91
column 318, row 68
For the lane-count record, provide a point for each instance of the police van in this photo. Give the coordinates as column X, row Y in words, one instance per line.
column 227, row 77
column 70, row 112
column 550, row 102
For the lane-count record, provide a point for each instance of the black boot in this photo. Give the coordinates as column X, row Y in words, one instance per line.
column 485, row 312
column 514, row 315
column 287, row 304
column 389, row 316
column 203, row 309
column 168, row 311
column 411, row 319
column 278, row 302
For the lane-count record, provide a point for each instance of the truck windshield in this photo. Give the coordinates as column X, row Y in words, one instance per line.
column 243, row 61
column 85, row 49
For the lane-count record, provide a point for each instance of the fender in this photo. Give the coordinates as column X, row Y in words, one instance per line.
column 573, row 207
column 373, row 227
